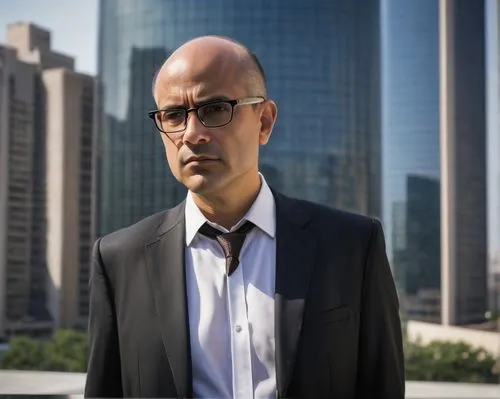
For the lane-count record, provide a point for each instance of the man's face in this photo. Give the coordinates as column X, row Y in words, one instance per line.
column 207, row 160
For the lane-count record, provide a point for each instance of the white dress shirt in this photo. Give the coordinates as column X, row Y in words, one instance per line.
column 231, row 319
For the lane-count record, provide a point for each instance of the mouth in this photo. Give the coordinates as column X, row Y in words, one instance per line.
column 200, row 159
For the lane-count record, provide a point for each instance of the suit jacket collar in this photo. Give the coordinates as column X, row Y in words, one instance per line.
column 295, row 253
column 172, row 218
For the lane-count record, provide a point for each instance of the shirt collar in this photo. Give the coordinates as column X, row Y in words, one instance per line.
column 262, row 214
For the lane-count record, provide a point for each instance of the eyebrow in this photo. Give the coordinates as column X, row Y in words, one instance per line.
column 198, row 103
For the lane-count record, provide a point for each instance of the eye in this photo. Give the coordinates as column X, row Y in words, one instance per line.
column 171, row 116
column 216, row 108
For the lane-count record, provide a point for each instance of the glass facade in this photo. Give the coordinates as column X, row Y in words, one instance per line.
column 411, row 152
column 466, row 162
column 322, row 63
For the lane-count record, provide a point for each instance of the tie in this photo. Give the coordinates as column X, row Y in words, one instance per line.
column 231, row 243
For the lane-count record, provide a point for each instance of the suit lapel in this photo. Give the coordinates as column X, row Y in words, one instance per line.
column 295, row 254
column 165, row 262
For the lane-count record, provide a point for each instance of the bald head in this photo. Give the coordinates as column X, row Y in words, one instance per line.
column 214, row 54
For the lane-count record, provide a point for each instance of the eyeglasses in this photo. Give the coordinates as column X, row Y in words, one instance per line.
column 212, row 114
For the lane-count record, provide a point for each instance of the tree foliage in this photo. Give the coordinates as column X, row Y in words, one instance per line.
column 65, row 351
column 449, row 361
column 436, row 361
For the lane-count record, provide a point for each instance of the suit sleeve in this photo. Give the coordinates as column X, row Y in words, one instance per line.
column 103, row 371
column 381, row 361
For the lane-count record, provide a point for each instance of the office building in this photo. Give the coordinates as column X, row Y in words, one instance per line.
column 322, row 63
column 410, row 152
column 434, row 151
column 70, row 100
column 46, row 131
column 463, row 161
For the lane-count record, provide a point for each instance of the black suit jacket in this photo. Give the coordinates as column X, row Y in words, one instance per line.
column 338, row 332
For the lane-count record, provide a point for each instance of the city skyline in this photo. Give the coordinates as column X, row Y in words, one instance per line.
column 74, row 32
column 367, row 124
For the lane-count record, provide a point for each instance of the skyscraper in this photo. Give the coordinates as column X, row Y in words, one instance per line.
column 410, row 137
column 46, row 139
column 69, row 169
column 463, row 161
column 17, row 102
column 434, row 173
column 322, row 63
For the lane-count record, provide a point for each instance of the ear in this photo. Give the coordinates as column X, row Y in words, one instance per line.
column 267, row 120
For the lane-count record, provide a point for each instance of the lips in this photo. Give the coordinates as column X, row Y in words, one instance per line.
column 199, row 159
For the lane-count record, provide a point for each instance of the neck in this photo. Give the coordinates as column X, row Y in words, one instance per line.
column 228, row 206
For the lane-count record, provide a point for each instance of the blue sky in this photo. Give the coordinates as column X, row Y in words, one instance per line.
column 73, row 25
column 74, row 32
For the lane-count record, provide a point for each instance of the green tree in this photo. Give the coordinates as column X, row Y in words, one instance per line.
column 23, row 354
column 449, row 361
column 65, row 351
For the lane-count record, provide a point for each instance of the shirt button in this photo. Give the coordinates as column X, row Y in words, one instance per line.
column 237, row 328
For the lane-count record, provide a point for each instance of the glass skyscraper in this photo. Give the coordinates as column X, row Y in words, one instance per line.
column 411, row 151
column 433, row 151
column 322, row 63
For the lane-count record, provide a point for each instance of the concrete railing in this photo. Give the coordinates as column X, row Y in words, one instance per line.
column 71, row 385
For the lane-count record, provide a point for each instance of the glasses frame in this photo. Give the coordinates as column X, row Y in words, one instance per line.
column 234, row 103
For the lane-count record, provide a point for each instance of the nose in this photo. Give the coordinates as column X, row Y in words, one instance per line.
column 196, row 132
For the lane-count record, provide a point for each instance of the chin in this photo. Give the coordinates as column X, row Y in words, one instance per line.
column 202, row 184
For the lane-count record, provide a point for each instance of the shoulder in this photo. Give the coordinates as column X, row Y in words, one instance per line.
column 349, row 236
column 323, row 218
column 139, row 234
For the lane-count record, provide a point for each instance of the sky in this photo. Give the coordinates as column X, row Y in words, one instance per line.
column 74, row 28
column 493, row 113
column 73, row 25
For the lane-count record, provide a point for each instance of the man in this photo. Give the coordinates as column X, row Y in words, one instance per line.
column 238, row 291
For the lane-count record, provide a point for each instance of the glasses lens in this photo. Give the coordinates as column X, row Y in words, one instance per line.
column 171, row 120
column 215, row 114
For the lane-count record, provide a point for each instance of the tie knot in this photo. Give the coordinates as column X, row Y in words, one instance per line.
column 212, row 232
column 231, row 242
